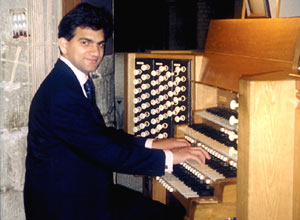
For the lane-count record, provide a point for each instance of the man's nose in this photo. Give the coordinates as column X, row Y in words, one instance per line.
column 95, row 50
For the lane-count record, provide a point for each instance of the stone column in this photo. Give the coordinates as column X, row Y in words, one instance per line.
column 103, row 79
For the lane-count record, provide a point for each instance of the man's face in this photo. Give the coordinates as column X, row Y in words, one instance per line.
column 85, row 50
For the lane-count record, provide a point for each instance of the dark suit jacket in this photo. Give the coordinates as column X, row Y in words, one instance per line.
column 71, row 153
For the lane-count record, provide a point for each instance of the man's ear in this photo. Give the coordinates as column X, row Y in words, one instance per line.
column 63, row 45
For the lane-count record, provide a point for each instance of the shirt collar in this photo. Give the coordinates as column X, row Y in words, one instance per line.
column 82, row 77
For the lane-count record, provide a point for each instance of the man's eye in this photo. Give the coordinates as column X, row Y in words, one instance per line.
column 101, row 45
column 85, row 43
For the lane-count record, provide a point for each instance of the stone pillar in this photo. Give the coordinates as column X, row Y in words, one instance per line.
column 103, row 79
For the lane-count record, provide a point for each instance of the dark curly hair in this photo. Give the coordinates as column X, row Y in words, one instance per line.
column 85, row 15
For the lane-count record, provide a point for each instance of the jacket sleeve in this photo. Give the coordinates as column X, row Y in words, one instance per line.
column 76, row 123
column 122, row 137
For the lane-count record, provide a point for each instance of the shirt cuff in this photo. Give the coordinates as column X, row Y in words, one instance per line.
column 148, row 143
column 168, row 154
column 169, row 161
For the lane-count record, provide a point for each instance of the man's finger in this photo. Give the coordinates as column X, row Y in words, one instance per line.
column 200, row 149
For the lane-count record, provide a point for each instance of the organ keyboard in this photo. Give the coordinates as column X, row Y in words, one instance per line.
column 239, row 100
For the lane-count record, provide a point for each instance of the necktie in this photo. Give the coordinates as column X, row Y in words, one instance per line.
column 88, row 87
column 90, row 92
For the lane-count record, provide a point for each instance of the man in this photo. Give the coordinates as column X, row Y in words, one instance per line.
column 72, row 154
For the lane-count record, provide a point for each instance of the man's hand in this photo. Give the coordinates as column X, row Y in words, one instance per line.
column 185, row 153
column 170, row 143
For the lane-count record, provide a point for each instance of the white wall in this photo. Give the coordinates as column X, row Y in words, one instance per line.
column 288, row 8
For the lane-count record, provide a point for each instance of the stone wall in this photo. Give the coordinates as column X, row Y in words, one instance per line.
column 15, row 93
column 104, row 79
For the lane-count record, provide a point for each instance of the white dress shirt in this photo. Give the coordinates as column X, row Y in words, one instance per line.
column 82, row 77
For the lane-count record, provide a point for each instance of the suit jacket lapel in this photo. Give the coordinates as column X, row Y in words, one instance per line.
column 63, row 68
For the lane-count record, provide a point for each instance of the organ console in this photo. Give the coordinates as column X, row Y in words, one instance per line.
column 238, row 100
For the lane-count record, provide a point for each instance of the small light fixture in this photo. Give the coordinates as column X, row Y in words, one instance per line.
column 18, row 22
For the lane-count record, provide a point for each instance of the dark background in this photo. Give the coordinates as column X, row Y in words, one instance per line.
column 146, row 24
column 141, row 25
